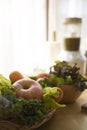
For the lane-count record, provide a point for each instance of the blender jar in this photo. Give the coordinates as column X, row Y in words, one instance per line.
column 71, row 43
column 72, row 33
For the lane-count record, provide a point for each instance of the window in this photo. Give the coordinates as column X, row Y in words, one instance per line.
column 22, row 35
column 25, row 27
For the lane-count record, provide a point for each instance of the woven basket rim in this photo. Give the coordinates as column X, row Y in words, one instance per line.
column 7, row 125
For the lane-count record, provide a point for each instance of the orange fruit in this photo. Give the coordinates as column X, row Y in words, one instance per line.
column 15, row 75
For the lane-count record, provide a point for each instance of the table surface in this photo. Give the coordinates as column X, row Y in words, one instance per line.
column 69, row 118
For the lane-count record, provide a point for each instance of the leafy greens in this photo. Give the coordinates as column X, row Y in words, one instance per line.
column 21, row 111
column 70, row 74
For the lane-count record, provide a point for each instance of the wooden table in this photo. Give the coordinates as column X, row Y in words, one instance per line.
column 69, row 118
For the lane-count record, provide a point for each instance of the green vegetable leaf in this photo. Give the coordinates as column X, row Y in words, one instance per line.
column 50, row 103
column 4, row 82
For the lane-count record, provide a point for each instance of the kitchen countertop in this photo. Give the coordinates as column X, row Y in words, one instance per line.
column 70, row 117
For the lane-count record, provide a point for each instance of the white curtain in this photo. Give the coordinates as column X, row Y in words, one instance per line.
column 23, row 44
column 22, row 36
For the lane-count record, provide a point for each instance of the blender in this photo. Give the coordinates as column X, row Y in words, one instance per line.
column 71, row 42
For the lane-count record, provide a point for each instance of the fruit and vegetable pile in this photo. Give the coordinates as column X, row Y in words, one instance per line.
column 24, row 101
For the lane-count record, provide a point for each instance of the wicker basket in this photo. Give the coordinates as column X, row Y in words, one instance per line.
column 7, row 125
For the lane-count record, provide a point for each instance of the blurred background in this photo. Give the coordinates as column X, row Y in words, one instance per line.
column 31, row 32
